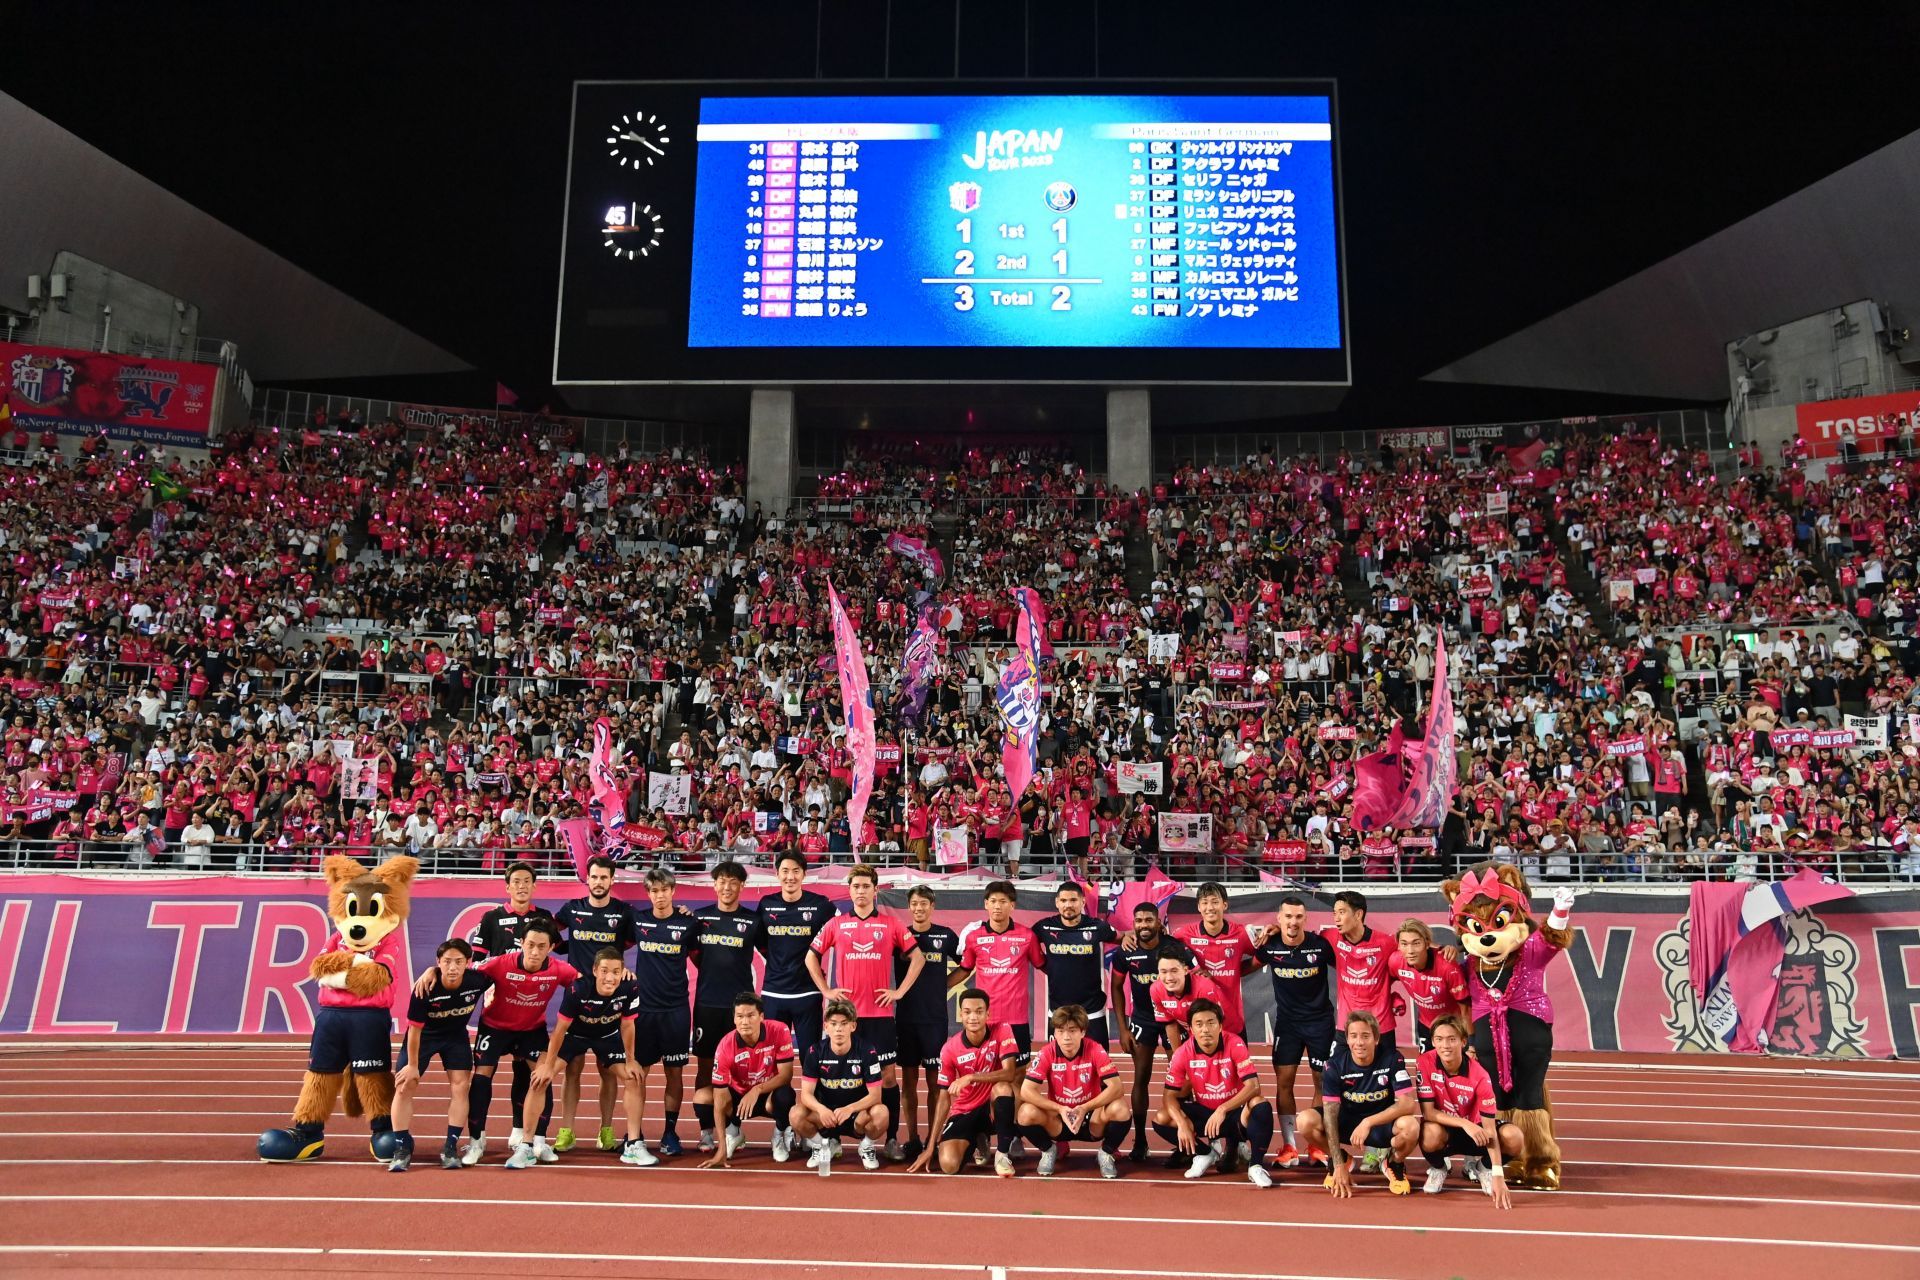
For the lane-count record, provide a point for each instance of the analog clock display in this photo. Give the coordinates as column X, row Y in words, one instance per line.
column 631, row 230
column 638, row 140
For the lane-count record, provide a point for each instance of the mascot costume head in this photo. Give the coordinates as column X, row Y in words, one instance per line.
column 357, row 972
column 1507, row 955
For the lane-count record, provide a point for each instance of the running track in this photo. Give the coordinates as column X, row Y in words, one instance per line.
column 139, row 1158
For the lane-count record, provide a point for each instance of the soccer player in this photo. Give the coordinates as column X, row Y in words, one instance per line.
column 1367, row 1109
column 1210, row 1101
column 1362, row 980
column 499, row 930
column 978, row 1069
column 1298, row 962
column 752, row 1076
column 1458, row 1116
column 437, row 1028
column 596, row 1015
column 839, row 1091
column 726, row 968
column 1222, row 950
column 788, row 920
column 1433, row 982
column 862, row 946
column 1073, row 949
column 1136, row 972
column 592, row 923
column 921, row 1015
column 513, row 1025
column 1180, row 985
column 998, row 956
column 1073, row 1087
column 666, row 940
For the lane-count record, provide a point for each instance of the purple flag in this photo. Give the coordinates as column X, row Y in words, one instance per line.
column 917, row 664
column 919, row 551
column 1410, row 783
column 857, row 699
column 1019, row 699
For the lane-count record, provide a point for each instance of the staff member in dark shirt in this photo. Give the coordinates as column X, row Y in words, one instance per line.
column 1135, row 973
column 1300, row 963
column 1075, row 947
column 726, row 932
column 593, row 924
column 789, row 920
column 665, row 940
column 921, row 1015
column 437, row 1028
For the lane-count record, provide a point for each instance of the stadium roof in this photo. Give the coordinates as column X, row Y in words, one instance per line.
column 1505, row 167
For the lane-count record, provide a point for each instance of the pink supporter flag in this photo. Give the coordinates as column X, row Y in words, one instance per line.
column 857, row 699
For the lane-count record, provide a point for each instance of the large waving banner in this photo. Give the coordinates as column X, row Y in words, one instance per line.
column 80, row 392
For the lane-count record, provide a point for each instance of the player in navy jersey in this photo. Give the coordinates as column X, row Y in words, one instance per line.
column 596, row 1016
column 437, row 1028
column 1135, row 974
column 592, row 923
column 1300, row 963
column 726, row 969
column 922, row 1013
column 1074, row 945
column 500, row 929
column 840, row 1091
column 1367, row 1112
column 666, row 939
column 789, row 920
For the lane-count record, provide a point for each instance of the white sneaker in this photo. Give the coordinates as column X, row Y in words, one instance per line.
column 1245, row 1151
column 1436, row 1180
column 523, row 1157
column 819, row 1149
column 476, row 1147
column 869, row 1155
column 782, row 1145
column 1474, row 1168
column 1204, row 1160
column 543, row 1152
column 1048, row 1160
column 980, row 1153
column 517, row 1137
column 706, row 1140
column 1257, row 1174
column 636, row 1153
column 895, row 1152
column 1109, row 1167
column 837, row 1152
column 1003, row 1164
column 736, row 1140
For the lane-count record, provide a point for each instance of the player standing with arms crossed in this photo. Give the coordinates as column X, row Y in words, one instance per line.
column 666, row 940
column 862, row 946
column 788, row 921
column 1299, row 962
column 1073, row 950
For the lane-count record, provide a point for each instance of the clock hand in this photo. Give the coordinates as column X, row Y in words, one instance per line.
column 649, row 146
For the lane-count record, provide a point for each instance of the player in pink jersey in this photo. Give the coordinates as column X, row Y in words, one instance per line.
column 1459, row 1116
column 1210, row 1102
column 1434, row 983
column 1362, row 975
column 978, row 1070
column 862, row 946
column 1224, row 950
column 1174, row 994
column 752, row 1075
column 1072, row 1087
column 999, row 957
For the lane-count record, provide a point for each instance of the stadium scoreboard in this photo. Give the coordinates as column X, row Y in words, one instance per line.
column 857, row 232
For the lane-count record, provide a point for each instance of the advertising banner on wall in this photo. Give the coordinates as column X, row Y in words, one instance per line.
column 98, row 956
column 81, row 392
column 1867, row 423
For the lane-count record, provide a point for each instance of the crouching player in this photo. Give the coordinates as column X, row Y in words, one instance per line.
column 1211, row 1099
column 1458, row 1117
column 840, row 1092
column 1073, row 1087
column 437, row 1028
column 1367, row 1110
column 978, row 1068
column 752, row 1076
column 596, row 1015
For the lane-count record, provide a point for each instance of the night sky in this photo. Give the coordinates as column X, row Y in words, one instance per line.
column 1498, row 165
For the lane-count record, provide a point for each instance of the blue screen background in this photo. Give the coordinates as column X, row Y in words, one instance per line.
column 904, row 201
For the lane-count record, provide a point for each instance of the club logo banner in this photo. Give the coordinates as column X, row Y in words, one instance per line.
column 132, row 398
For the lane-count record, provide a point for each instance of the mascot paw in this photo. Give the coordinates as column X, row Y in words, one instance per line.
column 292, row 1146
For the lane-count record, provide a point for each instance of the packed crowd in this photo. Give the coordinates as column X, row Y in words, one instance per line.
column 384, row 638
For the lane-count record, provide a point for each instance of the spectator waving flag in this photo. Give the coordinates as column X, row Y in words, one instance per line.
column 1410, row 783
column 919, row 551
column 1035, row 613
column 917, row 665
column 1019, row 699
column 857, row 699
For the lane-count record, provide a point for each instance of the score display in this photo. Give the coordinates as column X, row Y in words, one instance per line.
column 1047, row 235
